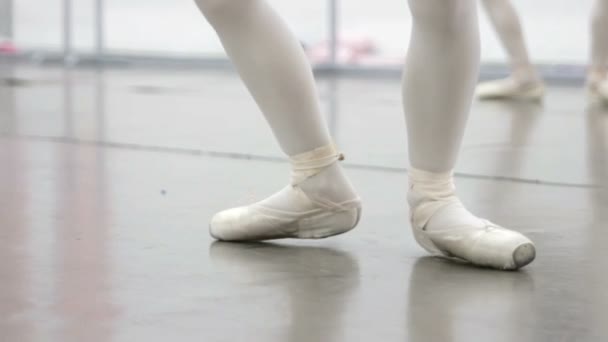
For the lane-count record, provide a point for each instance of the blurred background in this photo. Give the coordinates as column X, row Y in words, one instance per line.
column 354, row 34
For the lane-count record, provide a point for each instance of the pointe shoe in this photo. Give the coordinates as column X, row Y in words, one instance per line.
column 510, row 89
column 464, row 237
column 597, row 92
column 315, row 218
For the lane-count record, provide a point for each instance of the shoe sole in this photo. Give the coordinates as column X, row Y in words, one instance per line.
column 320, row 226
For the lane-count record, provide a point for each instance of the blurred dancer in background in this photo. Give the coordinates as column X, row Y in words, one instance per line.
column 597, row 85
column 524, row 83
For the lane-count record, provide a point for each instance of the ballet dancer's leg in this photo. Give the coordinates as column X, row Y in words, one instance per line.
column 524, row 82
column 596, row 76
column 439, row 78
column 320, row 201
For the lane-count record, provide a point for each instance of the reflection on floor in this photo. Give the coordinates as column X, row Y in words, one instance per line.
column 108, row 180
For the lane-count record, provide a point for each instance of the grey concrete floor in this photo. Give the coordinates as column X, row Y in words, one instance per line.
column 108, row 180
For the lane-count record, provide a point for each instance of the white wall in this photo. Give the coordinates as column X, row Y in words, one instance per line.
column 557, row 30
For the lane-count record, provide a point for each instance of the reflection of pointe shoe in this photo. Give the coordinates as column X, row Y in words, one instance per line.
column 314, row 284
column 306, row 217
column 510, row 89
column 446, row 298
column 444, row 227
column 464, row 282
column 252, row 261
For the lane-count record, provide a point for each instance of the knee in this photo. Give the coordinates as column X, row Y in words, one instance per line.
column 443, row 14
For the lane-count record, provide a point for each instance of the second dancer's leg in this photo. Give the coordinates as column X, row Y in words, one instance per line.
column 320, row 201
column 524, row 82
column 597, row 83
column 439, row 78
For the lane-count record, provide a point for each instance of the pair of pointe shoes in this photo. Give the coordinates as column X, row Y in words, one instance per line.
column 481, row 243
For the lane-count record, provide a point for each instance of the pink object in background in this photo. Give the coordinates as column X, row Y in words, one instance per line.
column 348, row 50
column 6, row 46
column 353, row 50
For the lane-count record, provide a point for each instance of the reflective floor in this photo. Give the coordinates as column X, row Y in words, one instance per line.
column 108, row 180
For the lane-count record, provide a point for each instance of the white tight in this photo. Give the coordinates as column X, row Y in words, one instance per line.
column 439, row 76
column 506, row 22
column 438, row 80
column 599, row 40
column 272, row 63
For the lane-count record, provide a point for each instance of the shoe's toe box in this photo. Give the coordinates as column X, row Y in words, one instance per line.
column 247, row 224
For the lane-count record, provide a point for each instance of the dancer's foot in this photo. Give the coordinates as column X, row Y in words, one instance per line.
column 319, row 203
column 511, row 89
column 444, row 227
column 597, row 88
